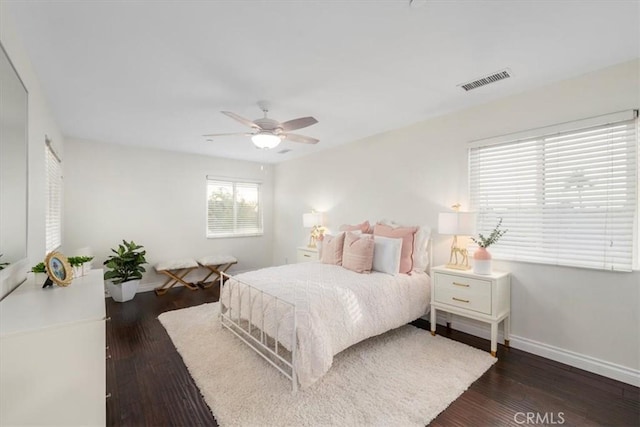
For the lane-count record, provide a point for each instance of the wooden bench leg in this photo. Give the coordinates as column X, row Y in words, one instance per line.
column 214, row 269
column 173, row 279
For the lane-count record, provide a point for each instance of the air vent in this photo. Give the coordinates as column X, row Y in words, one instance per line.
column 284, row 151
column 500, row 75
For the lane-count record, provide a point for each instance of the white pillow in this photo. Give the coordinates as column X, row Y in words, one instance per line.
column 420, row 256
column 386, row 254
column 420, row 246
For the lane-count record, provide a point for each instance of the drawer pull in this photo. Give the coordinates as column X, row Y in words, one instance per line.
column 307, row 256
column 461, row 284
column 108, row 356
column 461, row 300
column 108, row 395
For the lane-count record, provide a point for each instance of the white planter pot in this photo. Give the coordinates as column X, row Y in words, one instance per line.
column 86, row 268
column 77, row 271
column 124, row 291
column 39, row 278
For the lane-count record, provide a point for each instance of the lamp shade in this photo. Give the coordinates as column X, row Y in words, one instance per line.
column 265, row 140
column 310, row 220
column 457, row 223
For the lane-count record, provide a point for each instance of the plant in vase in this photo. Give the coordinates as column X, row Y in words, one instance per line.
column 76, row 263
column 39, row 273
column 125, row 270
column 84, row 262
column 482, row 257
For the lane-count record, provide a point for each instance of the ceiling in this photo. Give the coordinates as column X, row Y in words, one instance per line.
column 158, row 73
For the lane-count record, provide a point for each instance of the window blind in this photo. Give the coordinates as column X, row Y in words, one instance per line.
column 53, row 213
column 566, row 199
column 234, row 208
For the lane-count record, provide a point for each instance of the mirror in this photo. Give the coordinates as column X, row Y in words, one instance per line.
column 13, row 164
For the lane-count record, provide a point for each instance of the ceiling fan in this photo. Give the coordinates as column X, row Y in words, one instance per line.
column 268, row 133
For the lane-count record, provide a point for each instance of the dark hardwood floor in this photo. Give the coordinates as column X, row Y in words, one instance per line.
column 150, row 385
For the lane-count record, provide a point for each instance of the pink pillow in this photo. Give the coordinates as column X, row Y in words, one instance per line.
column 365, row 227
column 358, row 252
column 332, row 246
column 407, row 234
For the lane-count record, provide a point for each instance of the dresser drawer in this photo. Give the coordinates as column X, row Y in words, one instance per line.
column 463, row 292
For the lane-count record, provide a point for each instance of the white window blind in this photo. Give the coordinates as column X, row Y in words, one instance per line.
column 234, row 208
column 53, row 213
column 566, row 199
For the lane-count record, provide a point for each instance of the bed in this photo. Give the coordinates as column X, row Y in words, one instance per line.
column 299, row 316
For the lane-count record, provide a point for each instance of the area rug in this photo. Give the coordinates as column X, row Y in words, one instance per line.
column 402, row 378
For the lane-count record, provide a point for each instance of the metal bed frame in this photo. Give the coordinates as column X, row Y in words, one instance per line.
column 268, row 347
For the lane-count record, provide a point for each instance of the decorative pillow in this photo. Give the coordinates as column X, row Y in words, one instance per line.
column 420, row 245
column 365, row 227
column 386, row 254
column 420, row 257
column 331, row 252
column 407, row 234
column 358, row 252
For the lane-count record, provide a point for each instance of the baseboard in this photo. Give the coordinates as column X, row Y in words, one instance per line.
column 571, row 358
column 578, row 360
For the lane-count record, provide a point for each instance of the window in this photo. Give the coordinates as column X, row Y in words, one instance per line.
column 567, row 198
column 234, row 208
column 53, row 213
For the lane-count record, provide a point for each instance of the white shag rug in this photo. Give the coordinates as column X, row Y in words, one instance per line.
column 404, row 377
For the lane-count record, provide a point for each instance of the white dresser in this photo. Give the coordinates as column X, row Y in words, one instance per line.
column 481, row 297
column 52, row 354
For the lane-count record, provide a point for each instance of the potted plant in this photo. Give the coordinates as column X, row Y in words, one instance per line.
column 481, row 257
column 39, row 273
column 86, row 264
column 76, row 264
column 125, row 270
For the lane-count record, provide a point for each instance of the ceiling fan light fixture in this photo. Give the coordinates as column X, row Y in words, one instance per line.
column 266, row 140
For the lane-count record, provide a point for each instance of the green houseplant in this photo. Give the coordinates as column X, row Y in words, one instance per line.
column 81, row 264
column 124, row 270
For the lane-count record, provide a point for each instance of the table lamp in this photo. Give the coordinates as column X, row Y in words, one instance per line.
column 458, row 224
column 313, row 221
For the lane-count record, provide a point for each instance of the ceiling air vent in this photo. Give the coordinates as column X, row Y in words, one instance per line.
column 492, row 78
column 284, row 151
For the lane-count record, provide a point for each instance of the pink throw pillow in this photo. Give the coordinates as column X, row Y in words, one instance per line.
column 365, row 227
column 407, row 234
column 358, row 252
column 332, row 247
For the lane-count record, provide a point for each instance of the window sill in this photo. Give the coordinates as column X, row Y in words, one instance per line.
column 231, row 235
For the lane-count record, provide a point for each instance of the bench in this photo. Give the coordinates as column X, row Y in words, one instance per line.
column 176, row 270
column 216, row 264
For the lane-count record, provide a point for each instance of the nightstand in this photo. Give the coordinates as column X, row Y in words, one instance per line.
column 306, row 254
column 486, row 298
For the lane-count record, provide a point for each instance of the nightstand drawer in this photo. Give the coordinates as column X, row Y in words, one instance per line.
column 463, row 292
column 307, row 254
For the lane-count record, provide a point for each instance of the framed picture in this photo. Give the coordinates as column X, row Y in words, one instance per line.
column 58, row 269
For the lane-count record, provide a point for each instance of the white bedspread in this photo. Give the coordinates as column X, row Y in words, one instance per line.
column 335, row 308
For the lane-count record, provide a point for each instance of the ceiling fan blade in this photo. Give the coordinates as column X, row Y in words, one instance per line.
column 211, row 135
column 300, row 123
column 241, row 119
column 301, row 138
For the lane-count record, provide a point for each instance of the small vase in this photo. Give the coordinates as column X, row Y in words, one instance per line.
column 482, row 261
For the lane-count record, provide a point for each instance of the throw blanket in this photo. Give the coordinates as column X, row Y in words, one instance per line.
column 334, row 308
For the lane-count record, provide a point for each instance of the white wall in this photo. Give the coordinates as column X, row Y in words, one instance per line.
column 41, row 123
column 586, row 318
column 156, row 198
